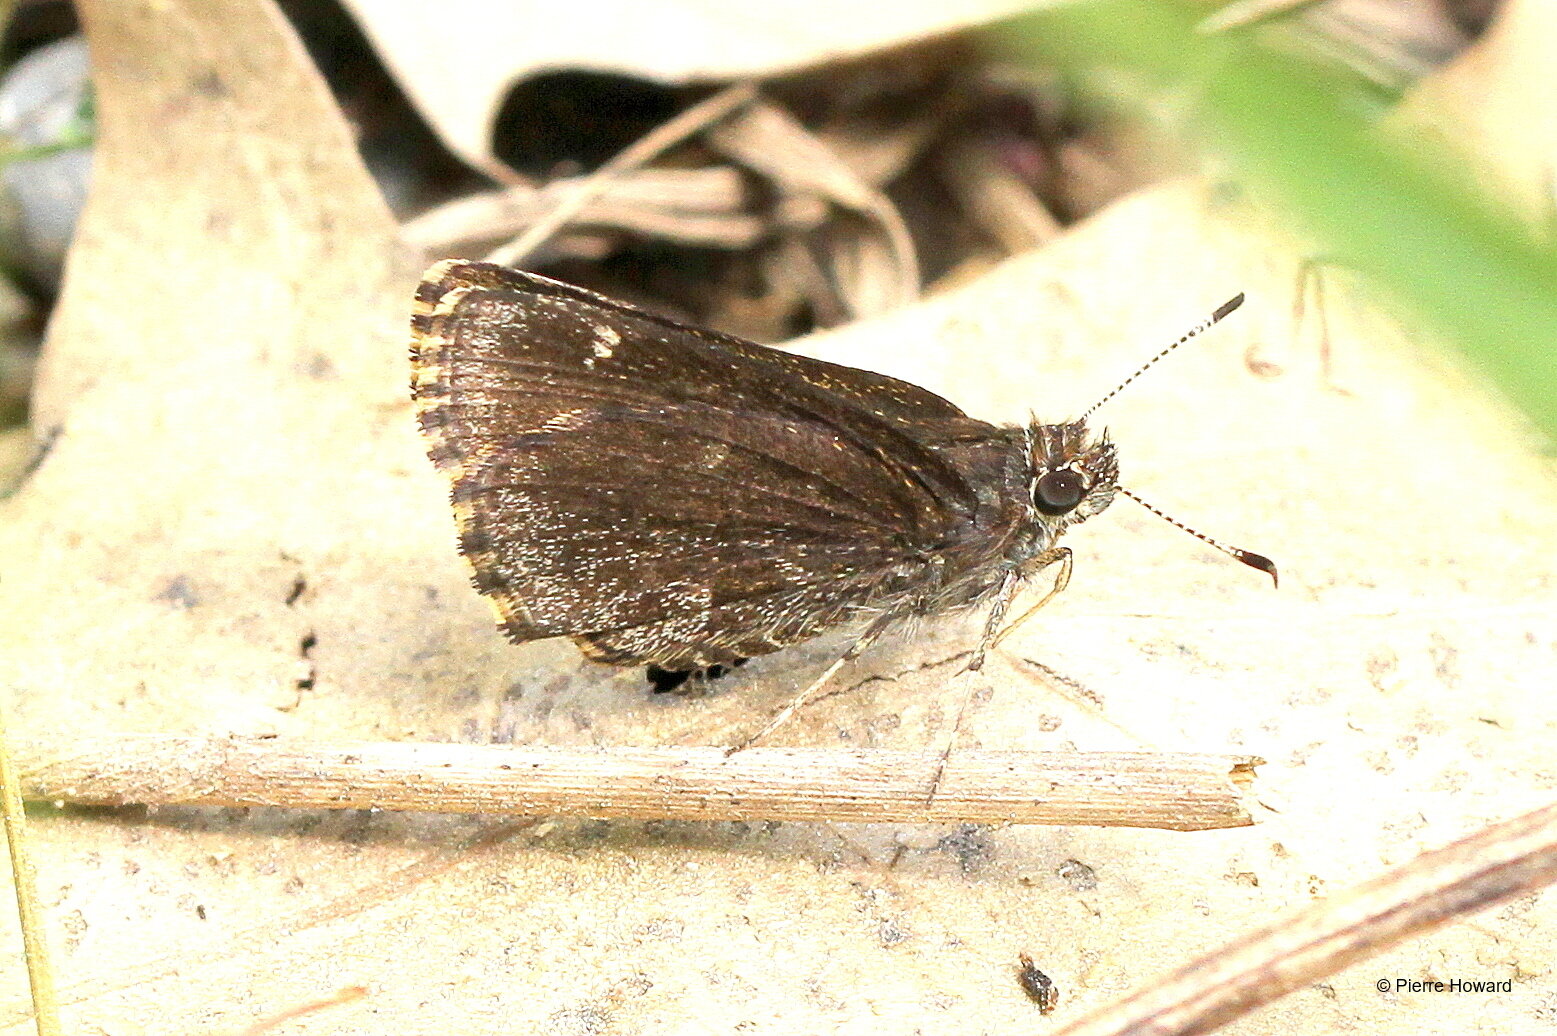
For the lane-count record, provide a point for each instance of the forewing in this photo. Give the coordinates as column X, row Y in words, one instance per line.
column 916, row 413
column 614, row 471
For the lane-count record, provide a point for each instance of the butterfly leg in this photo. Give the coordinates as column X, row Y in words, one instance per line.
column 1004, row 595
column 993, row 635
column 1061, row 581
column 799, row 700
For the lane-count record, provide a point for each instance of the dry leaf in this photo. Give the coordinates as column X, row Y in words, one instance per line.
column 457, row 60
column 236, row 530
column 706, row 207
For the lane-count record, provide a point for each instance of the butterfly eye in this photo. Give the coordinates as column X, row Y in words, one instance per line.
column 1058, row 491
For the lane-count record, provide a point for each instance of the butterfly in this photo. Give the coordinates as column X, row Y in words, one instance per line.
column 682, row 499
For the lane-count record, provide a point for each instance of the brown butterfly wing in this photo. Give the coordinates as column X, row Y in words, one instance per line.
column 664, row 494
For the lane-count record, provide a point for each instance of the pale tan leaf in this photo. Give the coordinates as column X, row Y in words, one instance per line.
column 236, row 531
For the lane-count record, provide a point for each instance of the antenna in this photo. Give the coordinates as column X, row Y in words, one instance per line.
column 1248, row 557
column 1221, row 311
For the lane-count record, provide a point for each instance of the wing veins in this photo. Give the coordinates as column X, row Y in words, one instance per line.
column 591, row 487
column 841, row 491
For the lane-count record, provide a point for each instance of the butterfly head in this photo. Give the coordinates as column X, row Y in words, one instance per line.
column 1073, row 474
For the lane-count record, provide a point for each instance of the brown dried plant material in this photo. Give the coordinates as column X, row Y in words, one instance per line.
column 707, row 113
column 707, row 207
column 800, row 193
column 875, row 271
column 833, row 164
column 458, row 79
column 878, row 151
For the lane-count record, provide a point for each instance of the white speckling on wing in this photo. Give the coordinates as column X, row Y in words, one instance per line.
column 606, row 341
column 567, row 420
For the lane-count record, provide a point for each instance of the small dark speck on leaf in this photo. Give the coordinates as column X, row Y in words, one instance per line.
column 1077, row 875
column 180, row 593
column 210, row 85
column 970, row 844
column 1040, row 988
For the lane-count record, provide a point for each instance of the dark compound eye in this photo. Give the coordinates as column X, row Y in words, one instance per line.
column 1058, row 492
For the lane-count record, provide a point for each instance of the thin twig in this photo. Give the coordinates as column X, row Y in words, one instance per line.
column 35, row 944
column 347, row 995
column 1179, row 791
column 1498, row 863
column 704, row 207
column 645, row 149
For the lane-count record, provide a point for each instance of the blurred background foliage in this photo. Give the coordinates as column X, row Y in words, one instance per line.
column 1391, row 200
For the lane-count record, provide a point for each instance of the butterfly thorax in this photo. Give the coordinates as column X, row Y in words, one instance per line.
column 1032, row 483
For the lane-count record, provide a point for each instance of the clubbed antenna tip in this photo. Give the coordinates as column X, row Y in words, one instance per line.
column 1248, row 557
column 1259, row 561
column 1227, row 307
